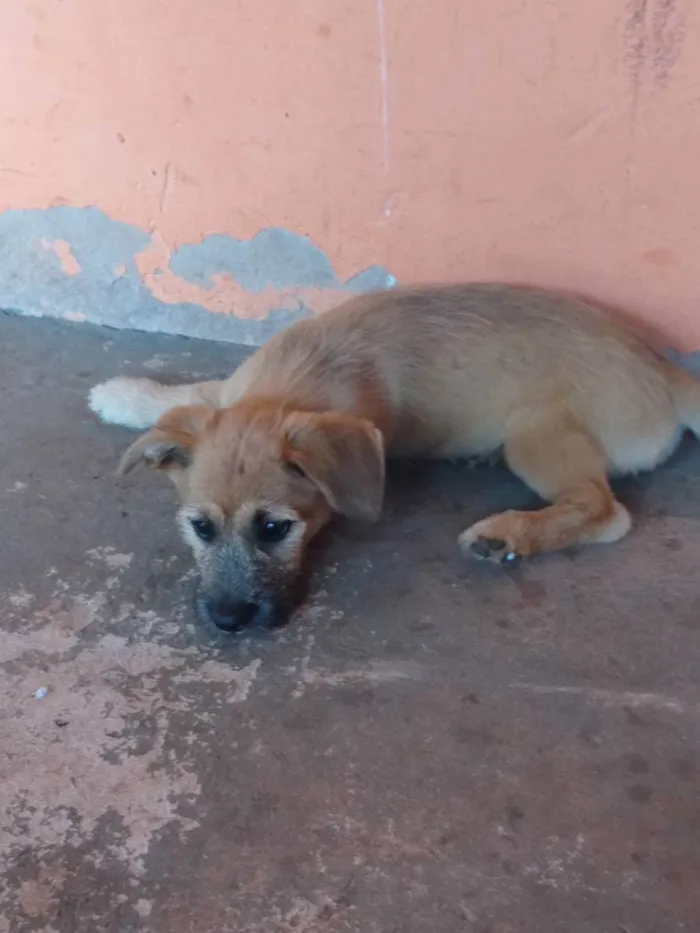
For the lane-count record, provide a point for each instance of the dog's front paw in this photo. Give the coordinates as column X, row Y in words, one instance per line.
column 494, row 539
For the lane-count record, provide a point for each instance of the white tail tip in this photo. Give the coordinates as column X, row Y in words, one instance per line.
column 133, row 403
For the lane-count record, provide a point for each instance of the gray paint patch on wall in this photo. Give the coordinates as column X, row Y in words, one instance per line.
column 108, row 289
column 274, row 258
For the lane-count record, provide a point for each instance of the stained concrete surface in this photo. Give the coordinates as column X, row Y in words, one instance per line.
column 431, row 745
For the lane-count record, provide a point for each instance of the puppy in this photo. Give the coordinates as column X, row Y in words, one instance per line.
column 301, row 430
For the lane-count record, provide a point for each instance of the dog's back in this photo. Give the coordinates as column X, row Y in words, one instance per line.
column 457, row 366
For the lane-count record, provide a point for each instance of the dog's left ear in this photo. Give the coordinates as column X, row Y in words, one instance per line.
column 170, row 443
column 344, row 457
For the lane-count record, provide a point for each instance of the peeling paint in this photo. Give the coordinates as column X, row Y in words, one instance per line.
column 73, row 762
column 58, row 628
column 69, row 264
column 275, row 269
column 80, row 265
column 61, row 786
column 214, row 672
column 110, row 557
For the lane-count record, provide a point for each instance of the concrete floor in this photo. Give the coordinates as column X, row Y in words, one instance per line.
column 431, row 746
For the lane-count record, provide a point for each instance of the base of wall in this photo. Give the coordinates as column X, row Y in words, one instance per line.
column 78, row 264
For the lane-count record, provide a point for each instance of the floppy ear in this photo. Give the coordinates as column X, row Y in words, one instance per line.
column 344, row 457
column 170, row 443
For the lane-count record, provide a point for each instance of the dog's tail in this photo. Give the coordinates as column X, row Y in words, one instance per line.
column 139, row 403
column 686, row 396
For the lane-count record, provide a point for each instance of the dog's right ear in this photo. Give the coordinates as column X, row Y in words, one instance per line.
column 342, row 455
column 170, row 443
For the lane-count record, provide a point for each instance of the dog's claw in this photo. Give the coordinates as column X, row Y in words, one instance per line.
column 490, row 549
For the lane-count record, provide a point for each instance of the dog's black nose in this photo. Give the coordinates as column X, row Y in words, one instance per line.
column 231, row 615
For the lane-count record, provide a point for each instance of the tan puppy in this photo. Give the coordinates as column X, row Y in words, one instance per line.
column 301, row 429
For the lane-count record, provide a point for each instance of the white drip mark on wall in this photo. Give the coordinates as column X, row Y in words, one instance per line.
column 383, row 77
column 167, row 187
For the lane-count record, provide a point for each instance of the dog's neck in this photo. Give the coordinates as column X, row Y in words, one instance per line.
column 361, row 399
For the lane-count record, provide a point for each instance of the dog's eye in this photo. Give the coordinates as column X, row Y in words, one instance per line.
column 271, row 530
column 204, row 528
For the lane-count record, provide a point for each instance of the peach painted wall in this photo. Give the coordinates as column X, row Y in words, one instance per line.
column 555, row 142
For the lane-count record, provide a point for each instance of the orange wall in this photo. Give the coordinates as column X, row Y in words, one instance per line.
column 553, row 142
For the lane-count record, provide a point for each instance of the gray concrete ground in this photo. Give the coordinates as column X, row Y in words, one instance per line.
column 430, row 747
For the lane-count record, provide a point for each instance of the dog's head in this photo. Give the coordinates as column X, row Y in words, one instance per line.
column 256, row 482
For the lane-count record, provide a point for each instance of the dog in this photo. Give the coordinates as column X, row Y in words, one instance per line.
column 565, row 390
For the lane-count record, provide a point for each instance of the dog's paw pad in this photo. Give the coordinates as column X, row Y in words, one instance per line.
column 483, row 547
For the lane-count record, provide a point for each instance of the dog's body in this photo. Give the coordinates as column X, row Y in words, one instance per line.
column 569, row 393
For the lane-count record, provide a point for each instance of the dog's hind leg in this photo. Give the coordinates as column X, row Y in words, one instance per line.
column 557, row 458
column 139, row 403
